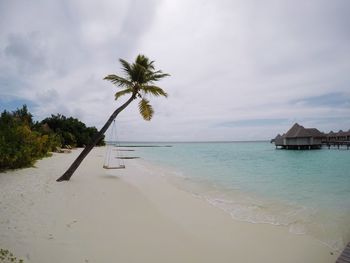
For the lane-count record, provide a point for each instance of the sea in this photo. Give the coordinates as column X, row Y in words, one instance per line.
column 307, row 191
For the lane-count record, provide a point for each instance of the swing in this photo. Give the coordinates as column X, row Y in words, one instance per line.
column 113, row 158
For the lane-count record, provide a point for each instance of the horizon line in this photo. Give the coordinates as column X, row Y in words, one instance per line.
column 210, row 141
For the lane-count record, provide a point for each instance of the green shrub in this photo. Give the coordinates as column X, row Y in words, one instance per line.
column 7, row 257
column 22, row 141
column 20, row 146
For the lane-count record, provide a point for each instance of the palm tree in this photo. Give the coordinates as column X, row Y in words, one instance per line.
column 139, row 84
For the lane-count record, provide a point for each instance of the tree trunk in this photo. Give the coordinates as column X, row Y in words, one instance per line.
column 68, row 174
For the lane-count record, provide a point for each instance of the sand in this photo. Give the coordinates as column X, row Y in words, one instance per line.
column 130, row 215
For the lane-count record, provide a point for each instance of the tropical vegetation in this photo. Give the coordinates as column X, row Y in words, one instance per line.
column 6, row 256
column 71, row 131
column 23, row 141
column 138, row 82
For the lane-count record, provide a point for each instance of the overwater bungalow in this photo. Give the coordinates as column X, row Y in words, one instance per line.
column 299, row 137
column 338, row 136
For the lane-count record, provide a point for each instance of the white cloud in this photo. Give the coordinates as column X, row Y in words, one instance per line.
column 228, row 60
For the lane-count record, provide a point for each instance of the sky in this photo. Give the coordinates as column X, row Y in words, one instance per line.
column 240, row 69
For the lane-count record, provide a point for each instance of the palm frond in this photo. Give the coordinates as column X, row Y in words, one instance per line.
column 145, row 109
column 122, row 93
column 143, row 60
column 154, row 90
column 151, row 65
column 120, row 81
column 139, row 73
column 155, row 76
column 126, row 66
column 160, row 76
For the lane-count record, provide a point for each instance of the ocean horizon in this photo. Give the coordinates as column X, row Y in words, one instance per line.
column 306, row 191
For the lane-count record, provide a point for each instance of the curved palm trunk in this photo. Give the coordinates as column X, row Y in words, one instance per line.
column 68, row 174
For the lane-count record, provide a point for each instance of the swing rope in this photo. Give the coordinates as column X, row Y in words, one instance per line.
column 109, row 157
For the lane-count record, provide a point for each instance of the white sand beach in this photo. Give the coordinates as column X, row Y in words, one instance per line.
column 130, row 215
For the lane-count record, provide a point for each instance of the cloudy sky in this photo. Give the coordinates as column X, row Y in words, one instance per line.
column 240, row 69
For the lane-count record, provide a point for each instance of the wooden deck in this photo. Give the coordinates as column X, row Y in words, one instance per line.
column 338, row 144
column 345, row 256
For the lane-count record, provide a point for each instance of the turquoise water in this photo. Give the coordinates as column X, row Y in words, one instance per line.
column 307, row 191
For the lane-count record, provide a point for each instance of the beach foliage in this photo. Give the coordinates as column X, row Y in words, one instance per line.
column 71, row 131
column 20, row 143
column 23, row 141
column 7, row 256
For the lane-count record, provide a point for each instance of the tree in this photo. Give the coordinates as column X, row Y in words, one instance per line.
column 22, row 114
column 71, row 131
column 138, row 82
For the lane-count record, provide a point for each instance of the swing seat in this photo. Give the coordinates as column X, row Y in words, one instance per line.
column 114, row 167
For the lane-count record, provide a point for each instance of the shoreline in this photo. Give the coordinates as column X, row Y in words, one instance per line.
column 203, row 191
column 234, row 185
column 181, row 182
column 130, row 215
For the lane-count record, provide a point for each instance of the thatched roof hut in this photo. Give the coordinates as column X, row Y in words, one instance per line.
column 298, row 137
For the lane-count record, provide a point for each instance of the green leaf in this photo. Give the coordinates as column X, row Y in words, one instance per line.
column 126, row 66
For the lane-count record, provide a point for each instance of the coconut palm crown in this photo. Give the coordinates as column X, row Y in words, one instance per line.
column 139, row 81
